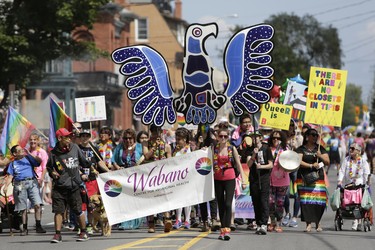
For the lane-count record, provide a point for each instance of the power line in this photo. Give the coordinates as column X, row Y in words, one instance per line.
column 349, row 17
column 360, row 21
column 340, row 8
column 360, row 45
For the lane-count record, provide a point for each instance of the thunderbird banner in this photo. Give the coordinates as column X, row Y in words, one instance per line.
column 157, row 187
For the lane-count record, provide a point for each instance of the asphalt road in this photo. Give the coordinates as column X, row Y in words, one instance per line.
column 291, row 238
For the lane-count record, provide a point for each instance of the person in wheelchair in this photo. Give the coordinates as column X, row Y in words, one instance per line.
column 353, row 174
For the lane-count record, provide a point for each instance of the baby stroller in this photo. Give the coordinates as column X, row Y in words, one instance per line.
column 350, row 207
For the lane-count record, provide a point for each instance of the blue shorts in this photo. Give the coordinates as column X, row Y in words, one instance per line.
column 23, row 190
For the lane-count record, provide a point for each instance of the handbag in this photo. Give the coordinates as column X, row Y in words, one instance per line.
column 310, row 177
column 335, row 200
column 366, row 202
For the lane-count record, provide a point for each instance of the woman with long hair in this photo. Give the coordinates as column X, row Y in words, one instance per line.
column 313, row 196
column 226, row 159
column 279, row 181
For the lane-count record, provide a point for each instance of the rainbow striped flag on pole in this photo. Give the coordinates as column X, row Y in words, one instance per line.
column 58, row 119
column 17, row 130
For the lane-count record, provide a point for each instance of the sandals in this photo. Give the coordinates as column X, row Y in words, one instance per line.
column 278, row 229
column 319, row 228
column 308, row 228
column 270, row 227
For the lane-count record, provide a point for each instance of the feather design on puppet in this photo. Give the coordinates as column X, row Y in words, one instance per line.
column 198, row 101
column 147, row 78
column 246, row 58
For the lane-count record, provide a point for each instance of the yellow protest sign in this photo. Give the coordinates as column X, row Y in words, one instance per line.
column 325, row 97
column 276, row 115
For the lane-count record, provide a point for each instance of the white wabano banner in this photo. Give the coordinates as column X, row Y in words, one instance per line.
column 158, row 186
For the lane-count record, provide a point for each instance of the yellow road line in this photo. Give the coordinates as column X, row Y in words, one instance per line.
column 158, row 246
column 138, row 242
column 189, row 244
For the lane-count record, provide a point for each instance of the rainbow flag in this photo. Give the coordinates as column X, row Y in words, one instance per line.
column 58, row 119
column 17, row 130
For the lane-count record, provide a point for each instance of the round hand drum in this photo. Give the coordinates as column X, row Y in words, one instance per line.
column 289, row 160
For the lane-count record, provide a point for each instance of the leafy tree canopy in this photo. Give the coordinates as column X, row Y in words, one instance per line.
column 302, row 42
column 353, row 95
column 35, row 31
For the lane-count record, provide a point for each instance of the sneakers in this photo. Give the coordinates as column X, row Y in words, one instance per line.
column 83, row 237
column 40, row 230
column 293, row 223
column 359, row 227
column 177, row 224
column 222, row 234
column 285, row 220
column 56, row 238
column 89, row 230
column 24, row 232
column 187, row 225
column 66, row 224
column 262, row 230
column 159, row 223
column 355, row 225
column 215, row 225
column 227, row 233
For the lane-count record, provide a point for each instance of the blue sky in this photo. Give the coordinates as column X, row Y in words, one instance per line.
column 354, row 19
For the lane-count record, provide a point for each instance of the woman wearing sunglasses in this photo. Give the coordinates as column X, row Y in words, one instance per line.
column 279, row 181
column 354, row 171
column 312, row 195
column 225, row 158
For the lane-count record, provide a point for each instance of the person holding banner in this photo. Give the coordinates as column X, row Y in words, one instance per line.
column 313, row 194
column 260, row 163
column 158, row 150
column 182, row 147
column 279, row 181
column 225, row 161
column 205, row 137
column 128, row 154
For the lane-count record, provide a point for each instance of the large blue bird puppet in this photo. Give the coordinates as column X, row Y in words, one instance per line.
column 246, row 62
column 198, row 101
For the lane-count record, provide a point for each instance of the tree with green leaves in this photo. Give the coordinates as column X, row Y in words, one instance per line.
column 353, row 98
column 302, row 42
column 33, row 32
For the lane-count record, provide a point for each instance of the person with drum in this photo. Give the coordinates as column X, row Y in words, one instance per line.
column 310, row 179
column 26, row 186
column 279, row 181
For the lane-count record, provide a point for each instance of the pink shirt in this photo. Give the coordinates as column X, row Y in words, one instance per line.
column 279, row 177
column 228, row 173
column 42, row 154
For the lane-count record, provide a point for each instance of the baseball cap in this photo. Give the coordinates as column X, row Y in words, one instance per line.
column 256, row 133
column 85, row 131
column 62, row 132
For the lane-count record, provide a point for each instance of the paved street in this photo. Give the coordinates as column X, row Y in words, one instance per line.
column 291, row 238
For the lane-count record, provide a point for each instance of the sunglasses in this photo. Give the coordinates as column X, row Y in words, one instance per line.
column 276, row 138
column 127, row 138
column 352, row 148
column 223, row 136
column 314, row 135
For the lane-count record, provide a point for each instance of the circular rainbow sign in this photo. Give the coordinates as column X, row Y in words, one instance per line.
column 203, row 166
column 112, row 188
